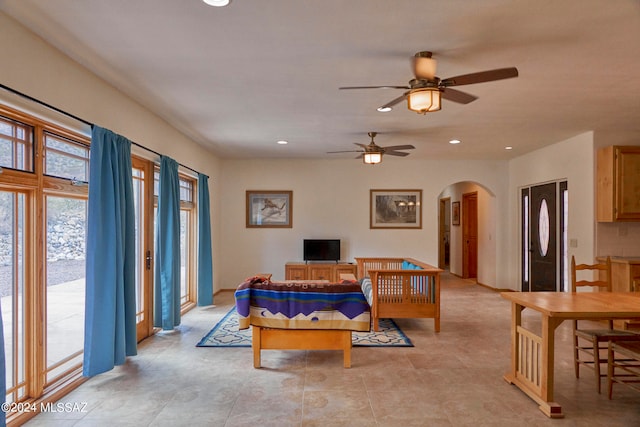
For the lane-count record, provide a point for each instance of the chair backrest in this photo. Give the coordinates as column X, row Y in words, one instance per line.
column 601, row 281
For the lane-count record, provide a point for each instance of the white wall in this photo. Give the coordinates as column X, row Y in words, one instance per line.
column 331, row 200
column 572, row 160
column 34, row 68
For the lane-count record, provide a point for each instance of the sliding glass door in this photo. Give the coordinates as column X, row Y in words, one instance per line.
column 14, row 268
column 143, row 203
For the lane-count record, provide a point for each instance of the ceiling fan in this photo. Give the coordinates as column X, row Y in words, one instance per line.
column 372, row 153
column 425, row 91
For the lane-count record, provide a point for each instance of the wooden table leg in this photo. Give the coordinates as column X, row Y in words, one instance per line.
column 255, row 344
column 523, row 343
column 548, row 406
column 516, row 321
column 346, row 342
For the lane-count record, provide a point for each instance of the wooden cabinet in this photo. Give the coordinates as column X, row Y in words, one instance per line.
column 321, row 272
column 295, row 272
column 330, row 272
column 618, row 184
column 624, row 270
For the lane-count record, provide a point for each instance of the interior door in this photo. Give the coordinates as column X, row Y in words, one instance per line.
column 444, row 225
column 543, row 238
column 469, row 223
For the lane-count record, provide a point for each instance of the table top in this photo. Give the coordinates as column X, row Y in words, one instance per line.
column 580, row 305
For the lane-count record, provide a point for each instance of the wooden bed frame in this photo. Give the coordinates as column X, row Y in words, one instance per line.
column 399, row 293
column 300, row 339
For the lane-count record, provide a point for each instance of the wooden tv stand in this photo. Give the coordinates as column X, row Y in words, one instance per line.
column 317, row 271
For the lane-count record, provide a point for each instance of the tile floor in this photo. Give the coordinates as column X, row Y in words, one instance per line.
column 453, row 378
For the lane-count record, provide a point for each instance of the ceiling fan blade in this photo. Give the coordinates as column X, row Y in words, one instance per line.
column 396, row 153
column 481, row 77
column 398, row 147
column 344, row 151
column 457, row 96
column 374, row 87
column 364, row 146
column 394, row 101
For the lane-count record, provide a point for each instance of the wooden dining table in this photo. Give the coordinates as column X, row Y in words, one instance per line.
column 532, row 355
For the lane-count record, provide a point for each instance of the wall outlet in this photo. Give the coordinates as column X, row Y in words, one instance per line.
column 573, row 243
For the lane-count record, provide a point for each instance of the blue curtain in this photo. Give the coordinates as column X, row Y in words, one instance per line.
column 110, row 306
column 3, row 374
column 205, row 265
column 166, row 312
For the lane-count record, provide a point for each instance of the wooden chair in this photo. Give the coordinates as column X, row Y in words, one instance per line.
column 628, row 364
column 589, row 353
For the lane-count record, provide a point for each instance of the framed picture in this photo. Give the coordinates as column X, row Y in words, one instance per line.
column 269, row 209
column 395, row 209
column 455, row 213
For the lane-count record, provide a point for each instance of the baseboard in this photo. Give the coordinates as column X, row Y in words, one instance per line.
column 494, row 289
column 482, row 284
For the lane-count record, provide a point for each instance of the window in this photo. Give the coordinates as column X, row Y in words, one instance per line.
column 43, row 217
column 188, row 294
column 524, row 220
column 42, row 255
column 16, row 145
column 564, row 221
column 65, row 158
column 13, row 215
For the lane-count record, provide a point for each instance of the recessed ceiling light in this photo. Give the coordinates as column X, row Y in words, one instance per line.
column 283, row 142
column 508, row 147
column 454, row 141
column 384, row 109
column 217, row 3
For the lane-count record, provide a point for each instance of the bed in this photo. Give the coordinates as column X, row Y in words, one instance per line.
column 301, row 315
column 400, row 288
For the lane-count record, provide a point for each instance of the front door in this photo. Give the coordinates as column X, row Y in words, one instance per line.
column 543, row 238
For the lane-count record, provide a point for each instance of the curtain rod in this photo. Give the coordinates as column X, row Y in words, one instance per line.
column 58, row 110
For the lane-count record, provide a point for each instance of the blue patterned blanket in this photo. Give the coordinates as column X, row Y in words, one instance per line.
column 289, row 305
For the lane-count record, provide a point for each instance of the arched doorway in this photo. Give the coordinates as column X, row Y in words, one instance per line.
column 467, row 226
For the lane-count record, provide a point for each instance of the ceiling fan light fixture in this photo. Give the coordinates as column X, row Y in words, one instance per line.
column 424, row 100
column 372, row 158
column 217, row 3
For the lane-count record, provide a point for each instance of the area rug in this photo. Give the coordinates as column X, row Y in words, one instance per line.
column 226, row 334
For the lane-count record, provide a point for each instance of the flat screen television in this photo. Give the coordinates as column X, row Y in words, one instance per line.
column 321, row 250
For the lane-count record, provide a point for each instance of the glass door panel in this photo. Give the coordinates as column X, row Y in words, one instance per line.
column 143, row 201
column 12, row 281
column 66, row 220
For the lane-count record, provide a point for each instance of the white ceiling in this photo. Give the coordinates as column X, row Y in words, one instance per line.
column 239, row 78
